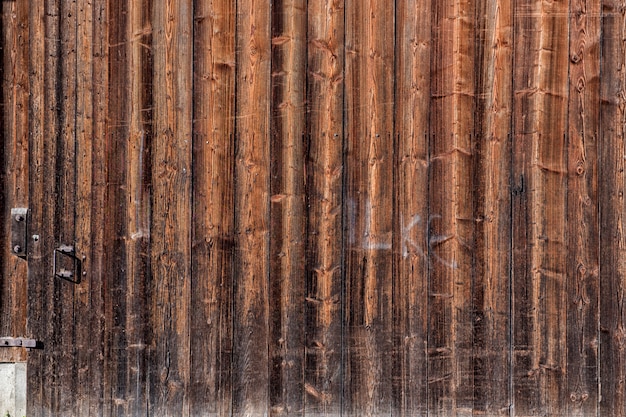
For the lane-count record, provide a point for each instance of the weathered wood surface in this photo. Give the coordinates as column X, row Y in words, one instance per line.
column 583, row 226
column 213, row 207
column 369, row 90
column 287, row 225
column 540, row 183
column 14, row 160
column 492, row 208
column 324, row 370
column 323, row 207
column 251, row 309
column 611, row 184
column 411, row 168
column 451, row 201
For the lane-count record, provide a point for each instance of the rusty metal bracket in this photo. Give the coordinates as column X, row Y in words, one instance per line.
column 67, row 265
column 20, row 342
column 19, row 231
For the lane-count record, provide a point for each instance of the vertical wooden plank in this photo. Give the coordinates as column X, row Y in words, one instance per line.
column 57, row 200
column 492, row 213
column 324, row 380
column 100, row 95
column 582, row 207
column 85, row 306
column 127, row 202
column 138, row 179
column 611, row 165
column 89, row 307
column 252, row 181
column 287, row 221
column 213, row 208
column 539, row 208
column 5, row 146
column 411, row 163
column 13, row 162
column 50, row 301
column 65, row 85
column 451, row 220
column 38, row 372
column 115, row 286
column 171, row 208
column 369, row 164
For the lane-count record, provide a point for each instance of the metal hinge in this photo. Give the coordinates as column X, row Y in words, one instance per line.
column 20, row 342
column 67, row 265
column 19, row 231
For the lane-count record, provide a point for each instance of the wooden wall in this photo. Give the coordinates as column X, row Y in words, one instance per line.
column 320, row 208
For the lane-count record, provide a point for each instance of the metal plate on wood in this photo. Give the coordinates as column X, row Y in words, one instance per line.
column 19, row 231
column 19, row 342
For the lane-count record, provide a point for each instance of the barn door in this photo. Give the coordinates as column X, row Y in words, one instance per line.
column 64, row 199
column 78, row 145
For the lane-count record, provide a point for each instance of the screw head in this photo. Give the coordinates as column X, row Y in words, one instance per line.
column 19, row 218
column 17, row 249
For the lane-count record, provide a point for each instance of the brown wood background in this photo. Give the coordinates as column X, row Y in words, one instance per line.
column 318, row 207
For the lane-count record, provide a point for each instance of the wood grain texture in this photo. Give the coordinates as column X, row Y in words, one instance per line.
column 46, row 307
column 369, row 93
column 287, row 225
column 539, row 237
column 115, row 285
column 583, row 227
column 252, row 205
column 411, row 166
column 611, row 165
column 38, row 373
column 132, row 393
column 451, row 217
column 62, row 32
column 492, row 212
column 213, row 208
column 14, row 162
column 85, row 305
column 323, row 207
column 5, row 204
column 90, row 140
column 170, row 233
column 325, row 173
